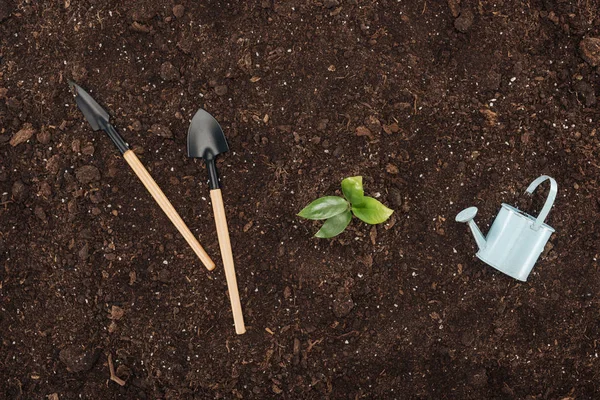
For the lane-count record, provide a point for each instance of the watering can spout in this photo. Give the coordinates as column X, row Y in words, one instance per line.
column 466, row 216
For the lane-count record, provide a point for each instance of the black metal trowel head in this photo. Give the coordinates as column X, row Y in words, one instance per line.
column 97, row 116
column 93, row 112
column 205, row 137
column 206, row 140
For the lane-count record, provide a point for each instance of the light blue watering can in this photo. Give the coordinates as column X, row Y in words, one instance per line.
column 516, row 239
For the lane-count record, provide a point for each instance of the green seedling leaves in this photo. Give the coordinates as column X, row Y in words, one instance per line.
column 325, row 207
column 353, row 190
column 335, row 225
column 338, row 211
column 372, row 211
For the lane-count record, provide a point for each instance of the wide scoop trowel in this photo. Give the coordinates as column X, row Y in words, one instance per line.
column 206, row 140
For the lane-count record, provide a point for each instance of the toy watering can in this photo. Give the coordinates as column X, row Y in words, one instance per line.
column 516, row 239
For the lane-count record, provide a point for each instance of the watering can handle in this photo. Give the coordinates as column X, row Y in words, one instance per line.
column 549, row 201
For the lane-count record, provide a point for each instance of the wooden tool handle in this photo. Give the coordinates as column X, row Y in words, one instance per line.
column 167, row 207
column 225, row 245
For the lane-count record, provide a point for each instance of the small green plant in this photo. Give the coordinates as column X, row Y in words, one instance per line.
column 337, row 211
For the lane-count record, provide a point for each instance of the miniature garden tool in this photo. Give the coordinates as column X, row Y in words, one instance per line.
column 99, row 119
column 206, row 140
column 515, row 240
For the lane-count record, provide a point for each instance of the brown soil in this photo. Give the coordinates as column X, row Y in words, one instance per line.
column 456, row 103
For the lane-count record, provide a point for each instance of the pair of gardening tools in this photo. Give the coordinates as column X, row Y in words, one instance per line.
column 205, row 140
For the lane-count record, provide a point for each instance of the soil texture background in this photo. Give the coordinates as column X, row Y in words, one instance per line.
column 439, row 105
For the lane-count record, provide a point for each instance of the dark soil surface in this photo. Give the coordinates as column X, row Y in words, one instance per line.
column 439, row 105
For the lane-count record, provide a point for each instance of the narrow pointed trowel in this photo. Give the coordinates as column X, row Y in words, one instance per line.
column 206, row 140
column 99, row 119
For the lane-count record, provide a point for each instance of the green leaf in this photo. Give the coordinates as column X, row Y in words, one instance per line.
column 353, row 190
column 372, row 211
column 335, row 225
column 325, row 207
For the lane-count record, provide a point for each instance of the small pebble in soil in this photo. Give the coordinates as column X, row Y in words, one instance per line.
column 40, row 214
column 406, row 207
column 364, row 131
column 392, row 169
column 322, row 125
column 221, row 90
column 169, row 72
column 342, row 305
column 87, row 174
column 464, row 21
column 19, row 191
column 83, row 253
column 590, row 50
column 392, row 128
column 454, row 7
column 23, row 135
column 79, row 73
column 116, row 313
column 373, row 124
column 88, row 149
column 44, row 136
column 136, row 125
column 179, row 10
column 78, row 359
column 395, row 197
column 161, row 130
column 164, row 275
column 45, row 191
